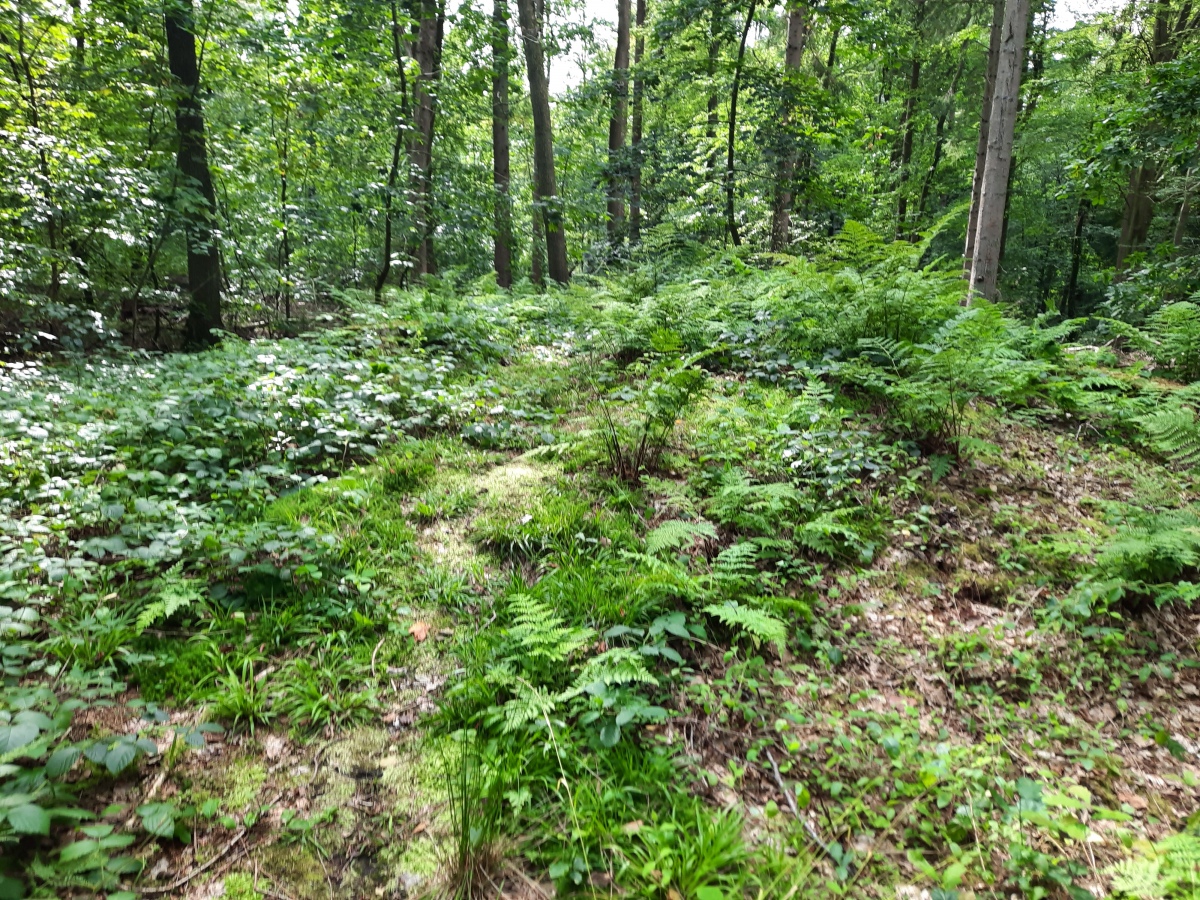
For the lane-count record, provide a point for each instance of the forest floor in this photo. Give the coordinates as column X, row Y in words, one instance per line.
column 578, row 594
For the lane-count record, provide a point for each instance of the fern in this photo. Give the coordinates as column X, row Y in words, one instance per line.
column 827, row 534
column 1176, row 332
column 541, row 635
column 761, row 626
column 1167, row 869
column 620, row 665
column 676, row 533
column 175, row 593
column 1175, row 434
column 1138, row 877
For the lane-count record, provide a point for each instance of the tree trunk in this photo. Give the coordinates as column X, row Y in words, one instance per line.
column 545, row 185
column 714, row 98
column 939, row 142
column 781, row 218
column 616, row 128
column 730, row 144
column 635, row 137
column 537, row 247
column 402, row 118
column 1071, row 292
column 501, row 179
column 1137, row 213
column 427, row 52
column 831, row 60
column 203, row 255
column 985, row 265
column 989, row 88
column 908, row 125
column 1181, row 221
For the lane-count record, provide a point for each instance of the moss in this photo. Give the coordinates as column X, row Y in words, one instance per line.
column 236, row 785
column 295, row 872
column 240, row 886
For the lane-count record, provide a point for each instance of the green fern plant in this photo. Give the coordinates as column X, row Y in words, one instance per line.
column 676, row 533
column 1175, row 330
column 1175, row 434
column 760, row 626
column 1169, row 869
column 174, row 594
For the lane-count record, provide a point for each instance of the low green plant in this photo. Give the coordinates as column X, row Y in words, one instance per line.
column 701, row 856
column 1175, row 332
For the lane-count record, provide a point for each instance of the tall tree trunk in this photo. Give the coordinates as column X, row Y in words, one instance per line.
column 1071, row 291
column 1137, row 214
column 985, row 265
column 831, row 60
column 402, row 119
column 781, row 217
column 203, row 255
column 427, row 52
column 537, row 246
column 616, row 128
column 908, row 124
column 1181, row 221
column 502, row 259
column 731, row 141
column 545, row 184
column 939, row 142
column 989, row 89
column 635, row 137
column 714, row 97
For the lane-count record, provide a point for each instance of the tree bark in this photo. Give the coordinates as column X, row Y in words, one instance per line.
column 985, row 265
column 831, row 60
column 781, row 218
column 545, row 185
column 199, row 218
column 989, row 88
column 908, row 125
column 616, row 128
column 501, row 178
column 635, row 136
column 1071, row 292
column 939, row 142
column 427, row 51
column 402, row 119
column 714, row 98
column 731, row 141
column 1181, row 221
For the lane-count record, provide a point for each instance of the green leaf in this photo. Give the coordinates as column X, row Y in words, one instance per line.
column 119, row 757
column 11, row 888
column 709, row 893
column 158, row 818
column 953, row 875
column 14, row 737
column 61, row 760
column 78, row 850
column 29, row 819
column 610, row 734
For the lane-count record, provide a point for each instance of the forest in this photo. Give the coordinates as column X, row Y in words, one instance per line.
column 667, row 449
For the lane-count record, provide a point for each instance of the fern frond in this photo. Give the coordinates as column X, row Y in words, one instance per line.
column 1138, row 877
column 529, row 705
column 541, row 634
column 676, row 533
column 737, row 559
column 174, row 594
column 620, row 665
column 1175, row 434
column 761, row 626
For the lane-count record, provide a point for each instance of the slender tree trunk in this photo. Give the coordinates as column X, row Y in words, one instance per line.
column 939, row 142
column 781, row 218
column 985, row 266
column 1138, row 212
column 501, row 179
column 199, row 218
column 537, row 246
column 1181, row 221
column 989, row 88
column 908, row 125
column 731, row 142
column 831, row 60
column 545, row 184
column 427, row 52
column 1071, row 292
column 714, row 98
column 616, row 128
column 402, row 119
column 635, row 137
